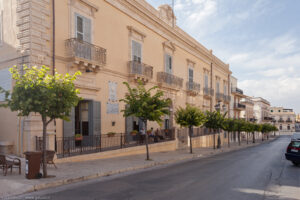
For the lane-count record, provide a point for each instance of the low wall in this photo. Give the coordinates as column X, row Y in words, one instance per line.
column 157, row 147
column 207, row 141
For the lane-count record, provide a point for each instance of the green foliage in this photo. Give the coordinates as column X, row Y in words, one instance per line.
column 214, row 120
column 248, row 127
column 239, row 125
column 189, row 116
column 228, row 125
column 142, row 104
column 40, row 92
column 266, row 128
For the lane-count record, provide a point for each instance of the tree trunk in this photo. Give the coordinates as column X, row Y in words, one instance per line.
column 267, row 136
column 214, row 139
column 247, row 137
column 239, row 138
column 146, row 141
column 262, row 136
column 253, row 137
column 228, row 139
column 44, row 119
column 219, row 140
column 190, row 136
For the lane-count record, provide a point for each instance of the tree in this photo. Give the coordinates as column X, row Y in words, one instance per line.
column 239, row 127
column 228, row 125
column 256, row 128
column 214, row 120
column 51, row 96
column 147, row 107
column 265, row 129
column 189, row 117
column 248, row 128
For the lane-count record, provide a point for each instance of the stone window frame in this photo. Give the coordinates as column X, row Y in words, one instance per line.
column 85, row 11
column 190, row 65
column 135, row 35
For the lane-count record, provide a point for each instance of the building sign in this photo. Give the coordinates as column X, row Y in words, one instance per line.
column 112, row 108
column 112, row 90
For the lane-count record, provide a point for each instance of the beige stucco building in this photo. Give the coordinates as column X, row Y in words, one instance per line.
column 284, row 119
column 109, row 41
column 248, row 112
column 261, row 110
column 236, row 95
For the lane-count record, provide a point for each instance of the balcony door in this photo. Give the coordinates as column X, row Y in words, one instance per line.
column 191, row 78
column 136, row 53
column 206, row 81
column 83, row 31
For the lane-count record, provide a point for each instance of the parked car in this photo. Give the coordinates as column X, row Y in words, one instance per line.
column 293, row 150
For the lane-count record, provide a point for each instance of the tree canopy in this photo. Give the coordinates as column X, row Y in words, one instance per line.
column 189, row 116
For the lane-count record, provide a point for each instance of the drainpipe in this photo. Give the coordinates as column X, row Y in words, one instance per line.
column 53, row 36
column 53, row 47
column 211, row 85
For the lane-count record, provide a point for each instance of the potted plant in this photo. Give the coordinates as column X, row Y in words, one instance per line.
column 111, row 134
column 134, row 132
column 78, row 137
column 149, row 132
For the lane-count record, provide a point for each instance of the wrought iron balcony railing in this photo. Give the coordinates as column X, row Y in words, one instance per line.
column 237, row 90
column 208, row 91
column 219, row 96
column 281, row 120
column 169, row 79
column 268, row 118
column 289, row 121
column 192, row 86
column 137, row 68
column 84, row 50
column 239, row 106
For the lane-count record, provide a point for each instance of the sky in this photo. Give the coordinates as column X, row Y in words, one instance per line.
column 260, row 39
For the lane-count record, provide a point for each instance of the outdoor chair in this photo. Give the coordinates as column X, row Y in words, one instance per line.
column 7, row 162
column 50, row 157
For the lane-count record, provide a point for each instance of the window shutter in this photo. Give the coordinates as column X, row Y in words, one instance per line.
column 206, row 81
column 69, row 126
column 191, row 75
column 78, row 26
column 87, row 29
column 168, row 64
column 136, row 51
column 96, row 118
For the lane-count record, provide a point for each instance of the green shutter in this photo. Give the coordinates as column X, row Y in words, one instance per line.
column 69, row 127
column 96, row 118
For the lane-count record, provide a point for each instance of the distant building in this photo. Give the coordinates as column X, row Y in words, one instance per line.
column 284, row 119
column 248, row 113
column 236, row 95
column 261, row 110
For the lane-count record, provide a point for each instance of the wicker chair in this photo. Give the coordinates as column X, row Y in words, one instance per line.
column 7, row 162
column 50, row 157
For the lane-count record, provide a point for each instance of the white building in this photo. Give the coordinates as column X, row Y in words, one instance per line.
column 261, row 110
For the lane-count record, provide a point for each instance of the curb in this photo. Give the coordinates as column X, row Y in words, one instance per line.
column 110, row 173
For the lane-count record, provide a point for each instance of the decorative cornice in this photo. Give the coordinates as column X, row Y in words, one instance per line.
column 170, row 45
column 143, row 12
column 190, row 61
column 91, row 5
column 132, row 29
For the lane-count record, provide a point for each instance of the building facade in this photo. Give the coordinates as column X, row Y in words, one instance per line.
column 284, row 119
column 109, row 41
column 261, row 110
column 236, row 95
column 248, row 113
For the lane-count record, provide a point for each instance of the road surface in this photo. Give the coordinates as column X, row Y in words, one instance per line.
column 259, row 172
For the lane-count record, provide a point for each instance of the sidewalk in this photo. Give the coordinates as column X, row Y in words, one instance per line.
column 14, row 184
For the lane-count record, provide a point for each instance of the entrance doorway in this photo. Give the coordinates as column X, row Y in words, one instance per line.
column 82, row 119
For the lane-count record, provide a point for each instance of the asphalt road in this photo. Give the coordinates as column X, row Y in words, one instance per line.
column 259, row 172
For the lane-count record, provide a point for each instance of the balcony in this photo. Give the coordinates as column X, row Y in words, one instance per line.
column 208, row 92
column 219, row 96
column 226, row 98
column 239, row 106
column 87, row 56
column 192, row 88
column 237, row 91
column 140, row 71
column 169, row 80
column 289, row 121
column 268, row 118
column 281, row 120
